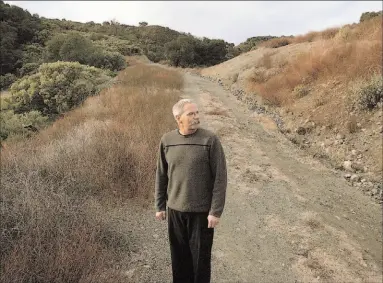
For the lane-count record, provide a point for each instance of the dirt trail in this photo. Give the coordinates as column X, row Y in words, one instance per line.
column 287, row 218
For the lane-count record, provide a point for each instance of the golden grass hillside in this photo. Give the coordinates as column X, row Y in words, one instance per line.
column 59, row 186
column 350, row 54
column 329, row 82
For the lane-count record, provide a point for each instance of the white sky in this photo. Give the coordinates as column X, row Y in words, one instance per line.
column 233, row 21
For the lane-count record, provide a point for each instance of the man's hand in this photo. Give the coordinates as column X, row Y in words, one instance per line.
column 212, row 221
column 161, row 215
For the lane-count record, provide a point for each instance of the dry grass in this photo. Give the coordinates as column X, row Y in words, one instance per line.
column 217, row 112
column 367, row 30
column 266, row 60
column 352, row 125
column 314, row 224
column 358, row 57
column 57, row 187
column 277, row 42
column 316, row 35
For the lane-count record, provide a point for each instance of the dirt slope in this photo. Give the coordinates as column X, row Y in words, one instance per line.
column 323, row 114
column 288, row 218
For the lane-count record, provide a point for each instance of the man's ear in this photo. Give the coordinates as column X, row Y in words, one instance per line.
column 177, row 118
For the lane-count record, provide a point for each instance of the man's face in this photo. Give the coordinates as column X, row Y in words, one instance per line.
column 189, row 120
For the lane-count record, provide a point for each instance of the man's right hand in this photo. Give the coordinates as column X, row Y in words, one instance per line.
column 161, row 215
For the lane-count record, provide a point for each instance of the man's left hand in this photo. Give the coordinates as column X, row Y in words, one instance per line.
column 212, row 221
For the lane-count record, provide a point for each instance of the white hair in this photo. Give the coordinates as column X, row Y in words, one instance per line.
column 178, row 108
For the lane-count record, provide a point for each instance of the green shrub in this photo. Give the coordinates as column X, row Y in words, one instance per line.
column 113, row 61
column 97, row 36
column 124, row 47
column 154, row 56
column 7, row 80
column 57, row 88
column 13, row 124
column 370, row 93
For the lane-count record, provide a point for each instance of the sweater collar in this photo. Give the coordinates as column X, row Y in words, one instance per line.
column 186, row 136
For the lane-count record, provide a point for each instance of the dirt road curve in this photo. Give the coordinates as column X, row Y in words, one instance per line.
column 287, row 217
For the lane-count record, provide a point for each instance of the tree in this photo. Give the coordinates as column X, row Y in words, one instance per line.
column 215, row 51
column 76, row 48
column 188, row 51
column 143, row 24
column 53, row 47
column 17, row 27
column 181, row 52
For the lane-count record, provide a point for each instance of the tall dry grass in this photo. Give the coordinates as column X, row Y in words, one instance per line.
column 367, row 30
column 354, row 52
column 316, row 35
column 277, row 42
column 57, row 188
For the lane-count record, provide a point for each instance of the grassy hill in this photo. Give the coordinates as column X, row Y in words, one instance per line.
column 326, row 87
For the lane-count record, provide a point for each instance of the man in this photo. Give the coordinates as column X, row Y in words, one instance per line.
column 191, row 182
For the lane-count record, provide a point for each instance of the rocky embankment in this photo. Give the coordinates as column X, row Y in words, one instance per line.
column 307, row 136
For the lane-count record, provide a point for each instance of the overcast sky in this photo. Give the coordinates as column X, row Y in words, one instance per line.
column 233, row 21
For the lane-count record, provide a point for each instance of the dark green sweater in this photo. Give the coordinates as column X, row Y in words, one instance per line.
column 191, row 173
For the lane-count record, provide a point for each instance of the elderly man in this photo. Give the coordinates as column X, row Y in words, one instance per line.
column 191, row 182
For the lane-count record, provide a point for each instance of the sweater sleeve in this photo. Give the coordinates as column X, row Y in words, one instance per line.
column 161, row 180
column 219, row 172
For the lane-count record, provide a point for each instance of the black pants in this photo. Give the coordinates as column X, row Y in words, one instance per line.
column 190, row 246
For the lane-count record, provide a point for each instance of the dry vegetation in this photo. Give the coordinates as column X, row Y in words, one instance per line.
column 335, row 83
column 309, row 37
column 328, row 83
column 345, row 54
column 58, row 186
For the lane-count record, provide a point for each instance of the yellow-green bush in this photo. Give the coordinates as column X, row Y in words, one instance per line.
column 56, row 88
column 13, row 124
